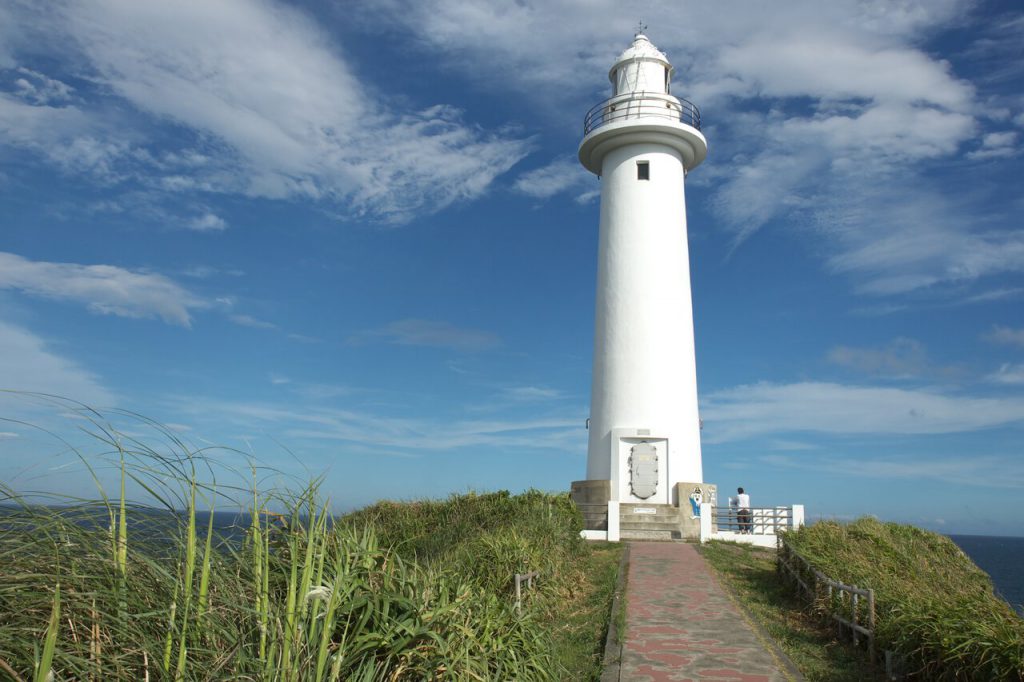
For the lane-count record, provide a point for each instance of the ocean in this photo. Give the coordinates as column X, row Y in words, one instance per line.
column 1003, row 559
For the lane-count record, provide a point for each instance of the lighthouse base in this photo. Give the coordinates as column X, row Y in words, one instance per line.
column 604, row 518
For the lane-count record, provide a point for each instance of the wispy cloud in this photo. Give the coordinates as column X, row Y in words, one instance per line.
column 29, row 363
column 999, row 145
column 1008, row 373
column 827, row 119
column 531, row 393
column 815, row 407
column 901, row 358
column 1006, row 335
column 276, row 112
column 967, row 469
column 208, row 222
column 433, row 333
column 104, row 289
column 401, row 434
column 41, row 89
column 561, row 175
column 250, row 321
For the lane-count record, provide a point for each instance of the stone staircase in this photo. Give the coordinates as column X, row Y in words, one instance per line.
column 649, row 522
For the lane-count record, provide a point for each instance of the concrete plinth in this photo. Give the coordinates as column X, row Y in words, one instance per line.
column 691, row 496
column 592, row 499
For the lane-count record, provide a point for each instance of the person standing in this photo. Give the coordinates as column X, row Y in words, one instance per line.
column 743, row 515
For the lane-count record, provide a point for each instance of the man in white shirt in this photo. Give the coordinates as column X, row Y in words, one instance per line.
column 743, row 515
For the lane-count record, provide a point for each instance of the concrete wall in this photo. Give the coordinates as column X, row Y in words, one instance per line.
column 689, row 522
column 644, row 374
column 592, row 499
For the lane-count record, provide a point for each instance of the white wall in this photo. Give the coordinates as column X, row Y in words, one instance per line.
column 644, row 373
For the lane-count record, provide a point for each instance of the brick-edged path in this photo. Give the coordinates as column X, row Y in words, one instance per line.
column 681, row 625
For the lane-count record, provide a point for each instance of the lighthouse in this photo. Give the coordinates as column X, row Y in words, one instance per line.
column 644, row 429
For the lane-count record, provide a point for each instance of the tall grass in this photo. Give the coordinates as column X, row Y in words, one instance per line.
column 114, row 589
column 934, row 606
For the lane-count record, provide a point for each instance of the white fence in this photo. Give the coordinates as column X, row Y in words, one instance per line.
column 758, row 526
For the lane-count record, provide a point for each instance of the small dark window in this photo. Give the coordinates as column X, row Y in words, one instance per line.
column 643, row 170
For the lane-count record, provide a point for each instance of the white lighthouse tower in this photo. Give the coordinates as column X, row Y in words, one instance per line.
column 644, row 429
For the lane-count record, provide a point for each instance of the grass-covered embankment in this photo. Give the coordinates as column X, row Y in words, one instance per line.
column 408, row 591
column 933, row 605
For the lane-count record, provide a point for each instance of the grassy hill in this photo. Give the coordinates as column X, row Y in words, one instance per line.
column 397, row 591
column 934, row 606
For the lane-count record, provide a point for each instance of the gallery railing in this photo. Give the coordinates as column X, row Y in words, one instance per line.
column 641, row 105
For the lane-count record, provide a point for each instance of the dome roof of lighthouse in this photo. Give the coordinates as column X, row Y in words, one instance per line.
column 642, row 48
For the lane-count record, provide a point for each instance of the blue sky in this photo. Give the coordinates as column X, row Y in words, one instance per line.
column 353, row 239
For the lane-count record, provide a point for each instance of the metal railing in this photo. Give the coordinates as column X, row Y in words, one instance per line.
column 641, row 105
column 761, row 520
column 520, row 579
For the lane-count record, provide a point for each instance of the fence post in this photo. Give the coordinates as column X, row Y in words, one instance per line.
column 871, row 625
column 706, row 512
column 519, row 594
column 854, row 600
column 798, row 516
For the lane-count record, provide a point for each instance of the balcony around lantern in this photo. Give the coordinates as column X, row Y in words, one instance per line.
column 642, row 117
column 641, row 104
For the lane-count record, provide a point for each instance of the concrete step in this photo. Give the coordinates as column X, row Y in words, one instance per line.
column 649, row 524
column 650, row 535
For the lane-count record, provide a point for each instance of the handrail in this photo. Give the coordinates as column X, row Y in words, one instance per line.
column 762, row 520
column 641, row 104
column 835, row 589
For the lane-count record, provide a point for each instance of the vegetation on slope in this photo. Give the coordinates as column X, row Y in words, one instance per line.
column 933, row 605
column 111, row 590
column 488, row 538
column 812, row 646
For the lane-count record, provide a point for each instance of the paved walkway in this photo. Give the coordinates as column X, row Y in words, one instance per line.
column 681, row 625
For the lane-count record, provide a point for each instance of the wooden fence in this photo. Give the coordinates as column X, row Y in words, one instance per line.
column 520, row 579
column 852, row 607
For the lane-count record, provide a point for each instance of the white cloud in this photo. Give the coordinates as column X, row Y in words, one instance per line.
column 999, row 145
column 1006, row 335
column 1008, row 374
column 966, row 469
column 275, row 108
column 104, row 289
column 561, row 175
column 40, row 88
column 765, row 408
column 28, row 363
column 434, row 333
column 402, row 434
column 820, row 112
column 902, row 238
column 900, row 358
column 531, row 393
column 250, row 321
column 207, row 222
